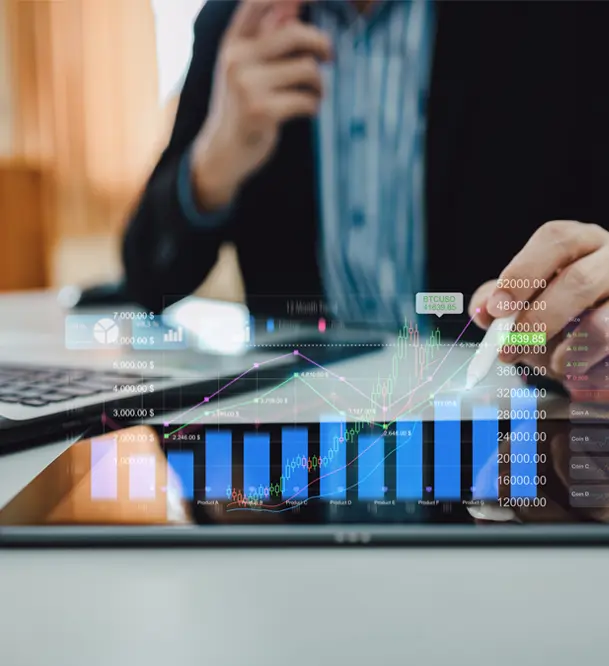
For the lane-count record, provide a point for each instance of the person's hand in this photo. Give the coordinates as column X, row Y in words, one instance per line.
column 267, row 73
column 558, row 281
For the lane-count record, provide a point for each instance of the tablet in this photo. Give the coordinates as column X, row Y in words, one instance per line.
column 483, row 481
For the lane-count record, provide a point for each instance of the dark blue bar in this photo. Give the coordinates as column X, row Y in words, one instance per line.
column 409, row 460
column 523, row 467
column 485, row 462
column 182, row 463
column 270, row 325
column 295, row 463
column 256, row 465
column 333, row 458
column 218, row 464
column 371, row 467
column 447, row 449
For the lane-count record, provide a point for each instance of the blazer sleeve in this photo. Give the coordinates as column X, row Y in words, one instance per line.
column 165, row 255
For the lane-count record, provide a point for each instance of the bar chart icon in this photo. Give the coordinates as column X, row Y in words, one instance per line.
column 157, row 334
column 174, row 335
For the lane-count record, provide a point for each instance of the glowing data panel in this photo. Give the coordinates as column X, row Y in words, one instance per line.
column 485, row 462
column 182, row 464
column 295, row 460
column 256, row 465
column 218, row 464
column 523, row 448
column 142, row 477
column 409, row 460
column 371, row 467
column 333, row 455
column 104, row 469
column 447, row 449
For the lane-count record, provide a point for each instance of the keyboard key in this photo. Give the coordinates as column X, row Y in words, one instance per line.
column 10, row 398
column 120, row 379
column 41, row 376
column 39, row 386
column 61, row 379
column 44, row 387
column 57, row 397
column 16, row 387
column 103, row 385
column 28, row 392
column 78, row 390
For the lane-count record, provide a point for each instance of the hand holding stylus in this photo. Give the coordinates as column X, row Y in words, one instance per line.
column 558, row 286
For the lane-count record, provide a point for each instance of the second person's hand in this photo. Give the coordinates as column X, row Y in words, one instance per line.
column 267, row 73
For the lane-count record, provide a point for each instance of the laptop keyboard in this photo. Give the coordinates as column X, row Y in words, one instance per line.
column 38, row 387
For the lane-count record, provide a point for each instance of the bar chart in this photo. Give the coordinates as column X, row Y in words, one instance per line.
column 457, row 453
column 450, row 458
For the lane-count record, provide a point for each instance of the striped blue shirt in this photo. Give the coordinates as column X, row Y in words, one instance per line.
column 370, row 146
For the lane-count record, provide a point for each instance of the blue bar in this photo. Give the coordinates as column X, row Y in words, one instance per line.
column 523, row 472
column 218, row 464
column 256, row 465
column 333, row 455
column 447, row 449
column 485, row 462
column 295, row 463
column 182, row 463
column 409, row 460
column 270, row 325
column 371, row 467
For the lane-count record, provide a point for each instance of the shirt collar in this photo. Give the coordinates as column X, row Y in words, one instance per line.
column 348, row 13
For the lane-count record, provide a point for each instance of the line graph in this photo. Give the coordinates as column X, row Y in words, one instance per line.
column 349, row 435
column 422, row 358
column 193, row 424
column 240, row 497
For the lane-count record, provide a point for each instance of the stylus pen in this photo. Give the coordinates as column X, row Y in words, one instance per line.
column 489, row 349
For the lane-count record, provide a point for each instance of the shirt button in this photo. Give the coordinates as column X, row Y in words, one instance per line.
column 358, row 219
column 358, row 129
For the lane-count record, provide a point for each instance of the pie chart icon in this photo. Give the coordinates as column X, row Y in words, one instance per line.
column 106, row 331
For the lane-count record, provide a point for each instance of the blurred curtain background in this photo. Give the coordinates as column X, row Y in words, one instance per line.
column 85, row 121
column 88, row 92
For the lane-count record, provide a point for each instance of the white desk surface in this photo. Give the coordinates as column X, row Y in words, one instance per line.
column 295, row 607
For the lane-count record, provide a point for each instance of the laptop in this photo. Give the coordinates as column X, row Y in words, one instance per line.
column 126, row 367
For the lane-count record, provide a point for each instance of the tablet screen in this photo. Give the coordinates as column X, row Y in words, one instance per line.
column 521, row 469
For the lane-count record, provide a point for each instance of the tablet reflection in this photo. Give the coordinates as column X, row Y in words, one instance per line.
column 573, row 475
column 124, row 478
column 116, row 479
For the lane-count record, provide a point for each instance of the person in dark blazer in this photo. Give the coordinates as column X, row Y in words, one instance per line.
column 357, row 153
